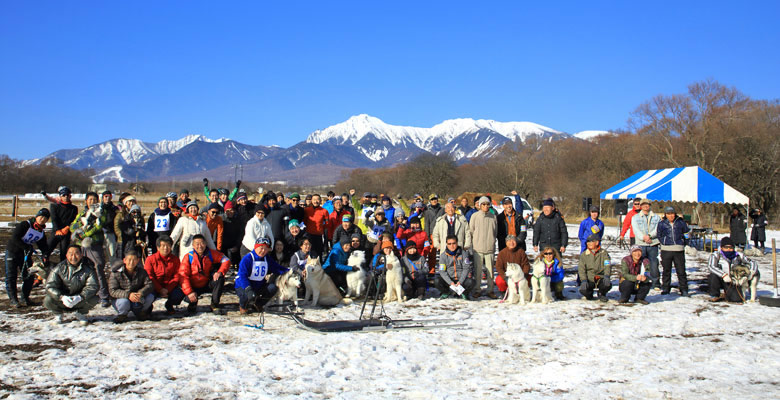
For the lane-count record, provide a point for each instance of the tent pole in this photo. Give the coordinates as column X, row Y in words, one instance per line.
column 747, row 226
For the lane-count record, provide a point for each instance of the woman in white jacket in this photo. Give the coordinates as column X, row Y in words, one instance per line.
column 256, row 228
column 189, row 225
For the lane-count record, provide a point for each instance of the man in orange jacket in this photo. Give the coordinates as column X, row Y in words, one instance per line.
column 202, row 270
column 316, row 220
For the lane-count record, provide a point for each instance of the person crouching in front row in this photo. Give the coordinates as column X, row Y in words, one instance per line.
column 255, row 284
column 131, row 288
column 455, row 269
column 72, row 286
column 635, row 276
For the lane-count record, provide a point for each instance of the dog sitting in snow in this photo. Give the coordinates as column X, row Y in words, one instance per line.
column 540, row 285
column 357, row 281
column 87, row 222
column 746, row 278
column 320, row 289
column 288, row 285
column 517, row 287
column 394, row 279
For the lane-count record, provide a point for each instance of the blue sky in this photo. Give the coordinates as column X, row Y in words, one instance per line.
column 78, row 73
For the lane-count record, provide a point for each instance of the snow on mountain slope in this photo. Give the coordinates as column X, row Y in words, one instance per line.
column 172, row 146
column 590, row 135
column 109, row 174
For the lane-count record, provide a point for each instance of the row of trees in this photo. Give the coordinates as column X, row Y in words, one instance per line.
column 49, row 174
column 713, row 126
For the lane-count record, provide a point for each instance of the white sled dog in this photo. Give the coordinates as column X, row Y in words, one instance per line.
column 394, row 279
column 540, row 285
column 320, row 289
column 288, row 284
column 357, row 281
column 517, row 287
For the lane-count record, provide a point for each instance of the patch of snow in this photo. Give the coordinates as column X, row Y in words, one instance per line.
column 109, row 174
column 591, row 135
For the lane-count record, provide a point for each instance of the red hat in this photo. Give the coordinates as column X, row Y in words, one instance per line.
column 228, row 205
column 263, row 241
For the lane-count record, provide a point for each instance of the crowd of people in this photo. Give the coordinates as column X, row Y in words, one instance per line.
column 113, row 255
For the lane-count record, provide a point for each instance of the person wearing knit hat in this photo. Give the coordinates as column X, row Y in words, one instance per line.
column 415, row 271
column 346, row 228
column 253, row 286
column 724, row 265
column 336, row 266
column 589, row 226
column 26, row 234
column 594, row 270
column 635, row 276
column 416, row 234
column 160, row 222
column 645, row 226
column 671, row 231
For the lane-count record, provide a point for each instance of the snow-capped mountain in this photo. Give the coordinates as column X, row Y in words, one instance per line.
column 116, row 152
column 362, row 141
column 463, row 137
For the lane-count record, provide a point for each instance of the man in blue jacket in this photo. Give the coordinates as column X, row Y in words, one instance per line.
column 254, row 286
column 589, row 226
column 336, row 265
column 671, row 234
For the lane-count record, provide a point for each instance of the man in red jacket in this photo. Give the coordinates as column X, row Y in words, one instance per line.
column 163, row 269
column 627, row 222
column 202, row 270
column 316, row 220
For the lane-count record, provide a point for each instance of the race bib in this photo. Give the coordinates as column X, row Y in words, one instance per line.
column 595, row 229
column 376, row 232
column 162, row 223
column 259, row 270
column 523, row 228
column 32, row 236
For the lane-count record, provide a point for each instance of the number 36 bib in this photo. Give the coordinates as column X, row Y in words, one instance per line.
column 259, row 270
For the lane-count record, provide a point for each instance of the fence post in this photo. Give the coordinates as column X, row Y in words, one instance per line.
column 15, row 209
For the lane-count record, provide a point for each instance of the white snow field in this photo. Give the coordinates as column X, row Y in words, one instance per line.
column 674, row 348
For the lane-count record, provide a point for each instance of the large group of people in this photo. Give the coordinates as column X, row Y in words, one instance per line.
column 114, row 255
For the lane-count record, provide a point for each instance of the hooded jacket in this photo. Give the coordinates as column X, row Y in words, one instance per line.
column 196, row 271
column 163, row 271
column 187, row 227
column 255, row 229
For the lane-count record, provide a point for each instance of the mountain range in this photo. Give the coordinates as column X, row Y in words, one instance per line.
column 362, row 141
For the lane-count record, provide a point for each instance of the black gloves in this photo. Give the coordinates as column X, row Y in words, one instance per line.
column 205, row 182
column 238, row 183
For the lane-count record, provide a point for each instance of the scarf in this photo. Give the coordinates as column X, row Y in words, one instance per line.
column 452, row 253
column 549, row 266
column 730, row 255
column 162, row 213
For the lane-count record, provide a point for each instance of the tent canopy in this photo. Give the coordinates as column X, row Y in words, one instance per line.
column 686, row 184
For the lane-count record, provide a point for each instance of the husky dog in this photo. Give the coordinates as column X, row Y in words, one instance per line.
column 90, row 218
column 288, row 285
column 540, row 285
column 320, row 289
column 394, row 279
column 745, row 279
column 517, row 290
column 357, row 281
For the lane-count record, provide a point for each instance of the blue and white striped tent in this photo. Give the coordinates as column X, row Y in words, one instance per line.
column 687, row 184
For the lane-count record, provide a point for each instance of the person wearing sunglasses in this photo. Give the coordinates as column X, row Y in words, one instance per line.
column 627, row 223
column 722, row 266
column 455, row 273
column 216, row 225
column 294, row 207
column 553, row 267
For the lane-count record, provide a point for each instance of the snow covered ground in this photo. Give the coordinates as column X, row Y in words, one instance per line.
column 673, row 348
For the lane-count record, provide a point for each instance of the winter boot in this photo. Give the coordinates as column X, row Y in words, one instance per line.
column 420, row 293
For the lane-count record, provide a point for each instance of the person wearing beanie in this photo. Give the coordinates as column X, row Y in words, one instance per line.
column 484, row 229
column 595, row 268
column 416, row 234
column 184, row 198
column 377, row 225
column 511, row 253
column 432, row 213
column 645, row 226
column 336, row 266
column 63, row 213
column 345, row 229
column 672, row 231
column 336, row 216
column 635, row 276
column 255, row 229
column 415, row 271
column 232, row 233
column 550, row 228
column 160, row 222
column 188, row 226
column 589, row 226
column 216, row 225
column 722, row 264
column 25, row 234
column 253, row 286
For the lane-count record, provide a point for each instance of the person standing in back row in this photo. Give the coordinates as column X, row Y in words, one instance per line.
column 627, row 223
column 645, row 225
column 484, row 227
column 671, row 234
column 550, row 228
column 738, row 227
column 63, row 212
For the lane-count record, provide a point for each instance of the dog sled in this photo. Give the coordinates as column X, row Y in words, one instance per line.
column 371, row 323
